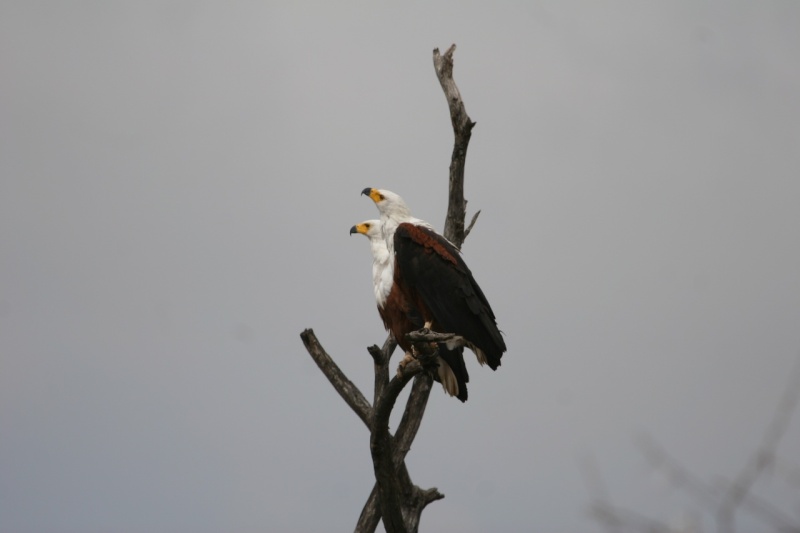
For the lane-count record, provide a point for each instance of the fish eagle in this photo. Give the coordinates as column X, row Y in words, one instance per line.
column 435, row 280
column 400, row 317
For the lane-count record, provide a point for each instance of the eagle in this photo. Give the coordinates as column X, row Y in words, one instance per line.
column 400, row 317
column 435, row 280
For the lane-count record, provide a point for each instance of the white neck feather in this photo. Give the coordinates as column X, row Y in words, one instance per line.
column 382, row 271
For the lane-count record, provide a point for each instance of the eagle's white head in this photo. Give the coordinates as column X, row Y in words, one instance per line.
column 390, row 204
column 394, row 212
column 370, row 228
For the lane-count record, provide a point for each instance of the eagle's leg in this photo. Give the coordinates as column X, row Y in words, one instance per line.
column 427, row 329
column 407, row 358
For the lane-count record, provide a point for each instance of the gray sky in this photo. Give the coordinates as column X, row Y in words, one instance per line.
column 177, row 182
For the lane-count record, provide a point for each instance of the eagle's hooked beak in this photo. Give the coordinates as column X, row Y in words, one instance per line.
column 374, row 194
column 354, row 229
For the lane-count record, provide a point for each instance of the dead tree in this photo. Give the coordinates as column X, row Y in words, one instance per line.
column 394, row 498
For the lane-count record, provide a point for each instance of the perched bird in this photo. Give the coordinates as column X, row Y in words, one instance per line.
column 430, row 272
column 400, row 317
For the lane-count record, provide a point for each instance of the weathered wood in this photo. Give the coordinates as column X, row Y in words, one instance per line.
column 346, row 388
column 419, row 500
column 412, row 417
column 462, row 130
column 382, row 448
column 471, row 223
column 381, row 357
column 371, row 513
column 404, row 436
column 422, row 335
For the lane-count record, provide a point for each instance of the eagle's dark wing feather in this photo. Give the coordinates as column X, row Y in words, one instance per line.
column 431, row 272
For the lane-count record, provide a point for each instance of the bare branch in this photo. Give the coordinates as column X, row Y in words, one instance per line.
column 763, row 457
column 616, row 518
column 404, row 436
column 400, row 513
column 346, row 388
column 371, row 513
column 601, row 506
column 723, row 503
column 423, row 335
column 381, row 446
column 789, row 471
column 704, row 493
column 462, row 129
column 471, row 223
column 412, row 416
column 420, row 500
column 678, row 475
column 381, row 357
column 376, row 353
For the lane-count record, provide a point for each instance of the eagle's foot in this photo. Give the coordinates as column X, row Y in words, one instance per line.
column 407, row 358
column 426, row 328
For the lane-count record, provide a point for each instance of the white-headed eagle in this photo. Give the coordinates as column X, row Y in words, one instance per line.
column 434, row 279
column 400, row 317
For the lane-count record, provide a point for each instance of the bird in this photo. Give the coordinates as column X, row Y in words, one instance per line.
column 400, row 318
column 430, row 272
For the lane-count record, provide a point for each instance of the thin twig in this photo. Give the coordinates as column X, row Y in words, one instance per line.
column 764, row 455
column 710, row 497
column 471, row 223
column 601, row 501
column 618, row 519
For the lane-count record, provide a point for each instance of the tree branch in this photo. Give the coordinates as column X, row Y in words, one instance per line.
column 471, row 223
column 382, row 448
column 423, row 336
column 346, row 388
column 618, row 519
column 419, row 500
column 371, row 513
column 710, row 497
column 381, row 357
column 462, row 129
column 412, row 416
column 404, row 436
column 763, row 457
column 722, row 503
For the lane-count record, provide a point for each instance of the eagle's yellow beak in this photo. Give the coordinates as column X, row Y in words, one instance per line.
column 374, row 194
column 359, row 228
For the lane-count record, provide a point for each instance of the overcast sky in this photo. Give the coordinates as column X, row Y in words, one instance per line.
column 177, row 182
